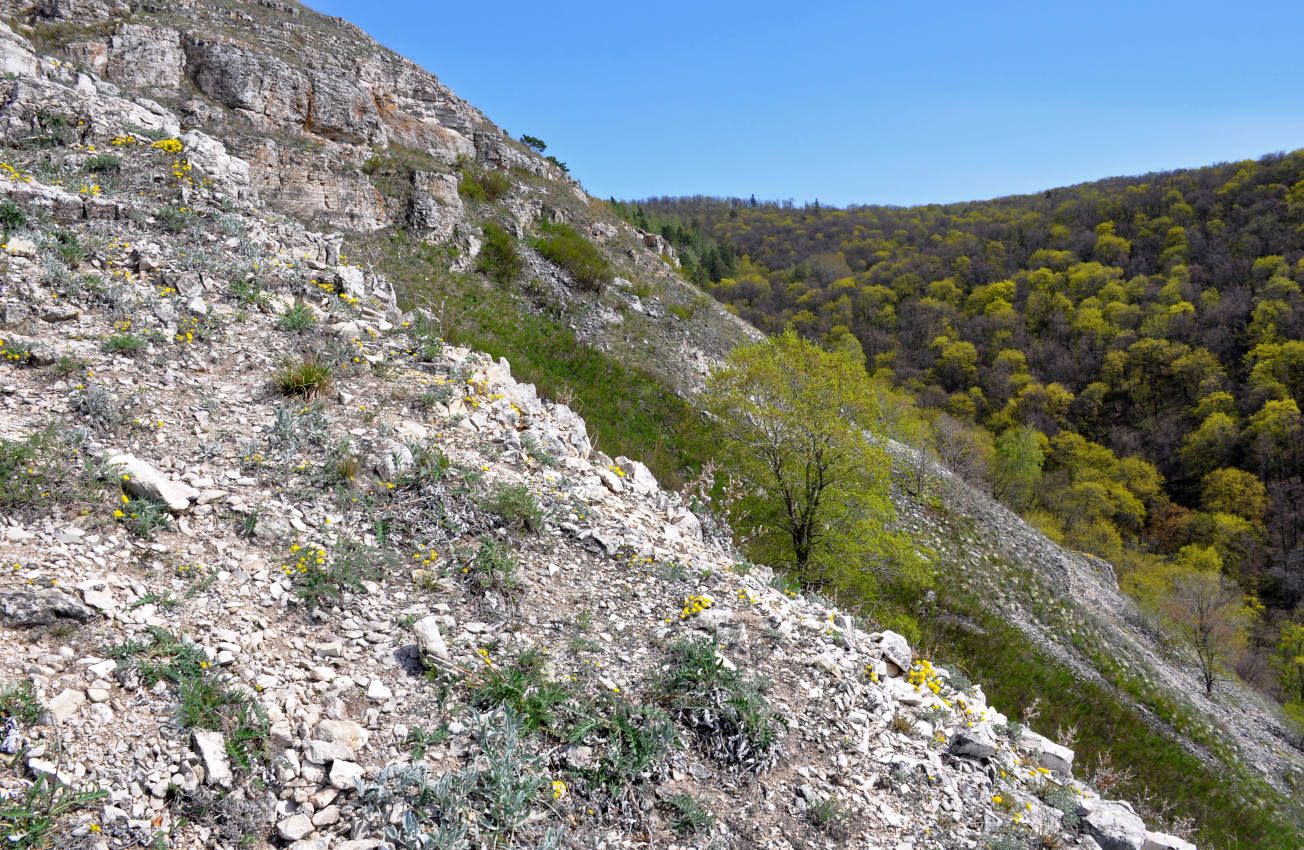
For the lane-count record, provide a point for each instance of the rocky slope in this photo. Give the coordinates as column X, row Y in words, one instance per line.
column 276, row 553
column 317, row 121
column 349, row 566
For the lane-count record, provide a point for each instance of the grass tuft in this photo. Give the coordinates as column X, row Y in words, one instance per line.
column 309, row 377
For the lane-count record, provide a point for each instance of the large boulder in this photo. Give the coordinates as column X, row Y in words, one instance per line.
column 1113, row 824
column 145, row 482
column 1051, row 755
column 896, row 650
column 975, row 743
column 22, row 608
column 430, row 641
column 1163, row 841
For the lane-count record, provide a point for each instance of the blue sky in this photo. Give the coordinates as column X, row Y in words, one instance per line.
column 890, row 103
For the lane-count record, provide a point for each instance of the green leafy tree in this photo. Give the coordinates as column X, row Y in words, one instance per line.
column 797, row 423
column 1016, row 466
column 534, row 142
column 1288, row 661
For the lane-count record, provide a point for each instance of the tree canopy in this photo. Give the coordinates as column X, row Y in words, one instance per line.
column 798, row 423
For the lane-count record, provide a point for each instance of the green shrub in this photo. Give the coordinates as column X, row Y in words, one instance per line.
column 420, row 740
column 103, row 163
column 515, row 505
column 564, row 247
column 535, row 449
column 830, row 816
column 14, row 352
column 484, row 186
column 67, row 364
column 12, row 216
column 296, row 319
column 726, row 710
column 143, row 516
column 53, row 130
column 499, row 258
column 160, row 657
column 635, row 740
column 491, row 798
column 18, row 702
column 41, row 470
column 177, row 218
column 524, row 686
column 249, row 291
column 303, row 376
column 320, row 578
column 428, row 466
column 204, row 699
column 493, row 567
column 687, row 815
column 426, row 340
column 69, row 248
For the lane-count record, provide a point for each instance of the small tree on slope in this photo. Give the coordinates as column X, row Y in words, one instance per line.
column 797, row 422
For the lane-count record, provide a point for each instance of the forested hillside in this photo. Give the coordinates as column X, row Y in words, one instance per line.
column 1122, row 361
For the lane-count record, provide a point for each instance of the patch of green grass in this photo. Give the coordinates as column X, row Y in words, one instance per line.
column 498, row 257
column 515, row 505
column 563, row 246
column 629, row 409
column 725, row 709
column 303, row 376
column 125, row 343
column 296, row 319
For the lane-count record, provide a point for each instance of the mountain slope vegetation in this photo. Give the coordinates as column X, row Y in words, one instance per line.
column 1124, row 359
column 231, row 197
